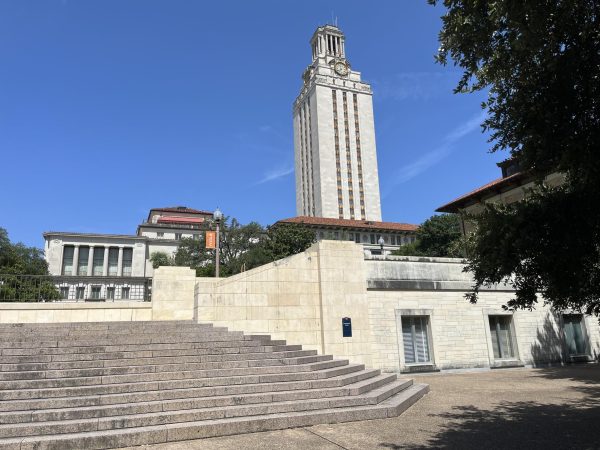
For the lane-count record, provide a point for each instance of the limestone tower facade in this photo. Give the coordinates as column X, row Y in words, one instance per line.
column 334, row 136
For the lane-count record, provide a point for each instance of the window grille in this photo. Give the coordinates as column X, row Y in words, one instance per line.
column 415, row 339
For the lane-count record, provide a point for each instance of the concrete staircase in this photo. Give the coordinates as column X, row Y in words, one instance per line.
column 118, row 384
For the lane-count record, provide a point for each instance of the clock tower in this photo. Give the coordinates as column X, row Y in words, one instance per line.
column 334, row 136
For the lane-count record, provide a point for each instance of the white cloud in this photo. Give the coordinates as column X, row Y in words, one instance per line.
column 436, row 155
column 275, row 174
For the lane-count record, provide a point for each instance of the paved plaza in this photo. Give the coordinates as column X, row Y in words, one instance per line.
column 554, row 408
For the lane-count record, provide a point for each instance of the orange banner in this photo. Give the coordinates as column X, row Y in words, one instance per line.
column 211, row 239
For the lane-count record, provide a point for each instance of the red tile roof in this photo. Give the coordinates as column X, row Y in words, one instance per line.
column 182, row 209
column 476, row 194
column 347, row 223
column 174, row 219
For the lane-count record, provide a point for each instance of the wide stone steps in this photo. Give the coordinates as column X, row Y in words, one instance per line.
column 119, row 359
column 191, row 415
column 108, row 367
column 350, row 382
column 67, row 409
column 167, row 380
column 214, row 347
column 115, row 384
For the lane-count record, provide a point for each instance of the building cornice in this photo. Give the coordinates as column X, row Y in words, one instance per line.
column 93, row 235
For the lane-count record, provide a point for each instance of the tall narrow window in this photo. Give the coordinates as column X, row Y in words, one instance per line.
column 113, row 261
column 502, row 339
column 67, row 262
column 98, row 264
column 336, row 140
column 358, row 155
column 415, row 339
column 96, row 291
column 574, row 335
column 127, row 261
column 82, row 265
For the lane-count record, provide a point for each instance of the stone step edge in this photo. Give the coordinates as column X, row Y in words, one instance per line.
column 332, row 380
column 149, row 364
column 236, row 344
column 391, row 407
column 352, row 389
column 307, row 366
column 67, row 343
column 325, row 371
column 307, row 353
column 262, row 348
column 38, row 340
column 373, row 397
column 101, row 323
column 74, row 331
column 340, row 381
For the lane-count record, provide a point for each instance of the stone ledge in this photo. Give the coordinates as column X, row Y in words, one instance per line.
column 429, row 285
column 36, row 306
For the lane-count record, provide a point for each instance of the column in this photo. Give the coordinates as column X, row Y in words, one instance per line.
column 105, row 263
column 75, row 259
column 90, row 261
column 120, row 262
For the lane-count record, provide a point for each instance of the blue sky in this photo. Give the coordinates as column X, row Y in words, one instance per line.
column 109, row 108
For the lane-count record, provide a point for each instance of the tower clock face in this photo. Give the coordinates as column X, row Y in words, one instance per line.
column 341, row 68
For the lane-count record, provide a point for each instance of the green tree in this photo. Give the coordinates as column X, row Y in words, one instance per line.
column 236, row 241
column 160, row 259
column 243, row 247
column 23, row 270
column 439, row 235
column 288, row 239
column 20, row 259
column 540, row 62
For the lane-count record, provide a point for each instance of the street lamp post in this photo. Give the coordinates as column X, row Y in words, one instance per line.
column 217, row 215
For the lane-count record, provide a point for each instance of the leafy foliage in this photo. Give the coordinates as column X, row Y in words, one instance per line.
column 287, row 239
column 23, row 269
column 540, row 61
column 20, row 259
column 438, row 236
column 243, row 247
column 160, row 259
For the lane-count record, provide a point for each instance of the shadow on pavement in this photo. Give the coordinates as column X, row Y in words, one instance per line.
column 526, row 425
column 519, row 425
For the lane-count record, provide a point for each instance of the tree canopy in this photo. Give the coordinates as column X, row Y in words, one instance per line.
column 540, row 62
column 18, row 259
column 243, row 247
column 159, row 259
column 439, row 235
column 17, row 263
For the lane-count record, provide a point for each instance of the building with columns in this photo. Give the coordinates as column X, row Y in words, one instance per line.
column 334, row 136
column 96, row 266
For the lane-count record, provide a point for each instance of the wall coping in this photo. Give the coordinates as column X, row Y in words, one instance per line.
column 10, row 306
column 423, row 259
